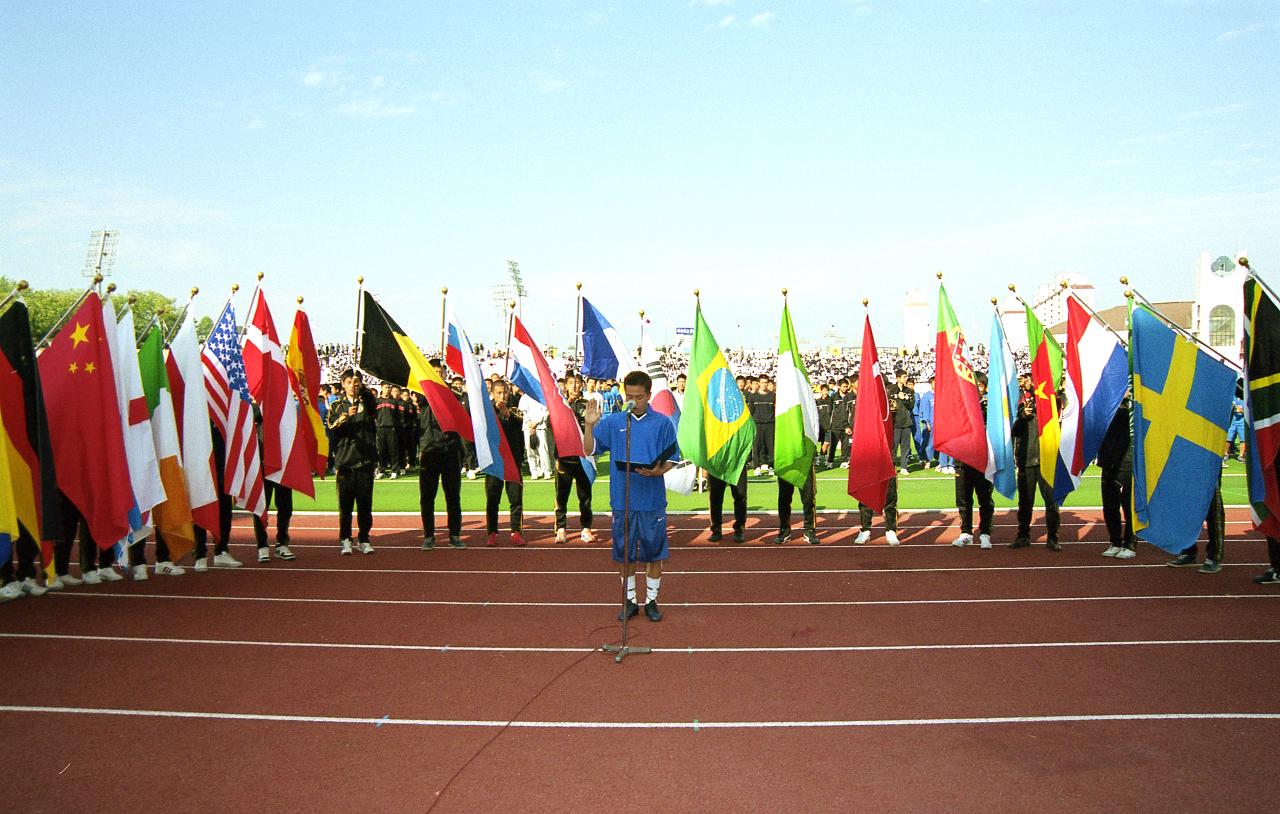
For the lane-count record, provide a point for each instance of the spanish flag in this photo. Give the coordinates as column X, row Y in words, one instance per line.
column 388, row 353
column 304, row 376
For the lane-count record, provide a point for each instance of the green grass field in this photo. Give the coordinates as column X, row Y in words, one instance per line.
column 917, row 490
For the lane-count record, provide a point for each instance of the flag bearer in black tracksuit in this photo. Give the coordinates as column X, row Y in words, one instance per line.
column 970, row 481
column 715, row 499
column 1216, row 525
column 823, row 402
column 283, row 497
column 1026, row 459
column 842, row 404
column 387, row 425
column 762, row 413
column 1271, row 576
column 902, row 401
column 865, row 513
column 570, row 474
column 1115, row 459
column 808, row 493
column 407, row 442
column 439, row 465
column 351, row 420
column 221, row 550
column 512, row 424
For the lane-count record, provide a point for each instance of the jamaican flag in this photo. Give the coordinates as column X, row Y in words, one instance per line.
column 716, row 431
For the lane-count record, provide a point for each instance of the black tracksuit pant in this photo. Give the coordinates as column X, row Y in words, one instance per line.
column 738, row 491
column 493, row 497
column 437, row 469
column 569, row 474
column 969, row 482
column 1117, row 509
column 284, row 514
column 808, row 495
column 1216, row 524
column 1029, row 481
column 355, row 490
column 890, row 509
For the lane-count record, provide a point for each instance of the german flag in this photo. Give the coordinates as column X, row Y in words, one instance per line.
column 24, row 431
column 389, row 354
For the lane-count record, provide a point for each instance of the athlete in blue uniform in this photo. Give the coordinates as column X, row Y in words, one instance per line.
column 653, row 452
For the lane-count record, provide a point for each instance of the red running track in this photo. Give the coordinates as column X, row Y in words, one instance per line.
column 830, row 678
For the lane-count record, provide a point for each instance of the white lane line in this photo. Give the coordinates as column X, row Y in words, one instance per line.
column 759, row 528
column 694, row 725
column 453, row 648
column 611, row 604
column 738, row 572
column 757, row 545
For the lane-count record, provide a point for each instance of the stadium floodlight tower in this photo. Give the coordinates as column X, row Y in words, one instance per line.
column 101, row 257
column 513, row 268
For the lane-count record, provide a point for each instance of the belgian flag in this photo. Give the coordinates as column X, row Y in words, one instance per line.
column 24, row 431
column 388, row 353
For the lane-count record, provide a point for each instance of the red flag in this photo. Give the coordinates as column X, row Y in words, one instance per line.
column 870, row 462
column 959, row 429
column 304, row 376
column 84, row 423
column 285, row 458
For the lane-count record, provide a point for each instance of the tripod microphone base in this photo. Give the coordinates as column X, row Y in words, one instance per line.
column 622, row 651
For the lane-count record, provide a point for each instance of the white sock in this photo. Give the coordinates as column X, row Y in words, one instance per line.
column 630, row 582
column 651, row 585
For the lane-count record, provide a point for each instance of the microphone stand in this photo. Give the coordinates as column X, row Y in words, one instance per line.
column 622, row 649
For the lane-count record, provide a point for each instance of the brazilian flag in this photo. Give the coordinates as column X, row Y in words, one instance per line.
column 716, row 431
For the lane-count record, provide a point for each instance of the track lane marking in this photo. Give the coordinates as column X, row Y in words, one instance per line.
column 742, row 572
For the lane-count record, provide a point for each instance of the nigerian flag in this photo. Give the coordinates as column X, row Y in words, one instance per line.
column 716, row 431
column 795, row 437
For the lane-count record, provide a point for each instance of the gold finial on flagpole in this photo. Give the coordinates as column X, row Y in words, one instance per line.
column 697, row 294
column 939, row 275
column 299, row 300
column 194, row 290
column 1244, row 261
column 1124, row 281
column 111, row 287
column 23, row 285
column 261, row 275
column 994, row 301
column 1013, row 288
column 641, row 314
column 235, row 287
column 97, row 278
column 865, row 300
column 579, row 285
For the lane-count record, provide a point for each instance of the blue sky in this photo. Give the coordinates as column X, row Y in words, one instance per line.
column 841, row 149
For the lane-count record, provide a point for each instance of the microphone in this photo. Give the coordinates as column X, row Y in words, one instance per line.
column 628, row 405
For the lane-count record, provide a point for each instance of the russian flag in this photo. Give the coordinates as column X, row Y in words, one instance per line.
column 1097, row 376
column 531, row 373
column 493, row 454
column 604, row 354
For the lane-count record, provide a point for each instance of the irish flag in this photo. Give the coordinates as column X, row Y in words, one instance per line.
column 958, row 428
column 796, row 424
column 1046, row 371
column 172, row 517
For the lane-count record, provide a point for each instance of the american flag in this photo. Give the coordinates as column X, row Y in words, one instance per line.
column 232, row 412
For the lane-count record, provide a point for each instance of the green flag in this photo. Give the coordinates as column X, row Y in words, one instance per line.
column 716, row 431
column 795, row 437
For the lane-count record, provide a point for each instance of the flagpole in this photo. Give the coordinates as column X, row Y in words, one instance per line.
column 12, row 295
column 1183, row 332
column 253, row 299
column 97, row 278
column 444, row 294
column 1004, row 337
column 182, row 315
column 1065, row 286
column 1244, row 261
column 577, row 330
column 641, row 331
column 355, row 351
column 511, row 326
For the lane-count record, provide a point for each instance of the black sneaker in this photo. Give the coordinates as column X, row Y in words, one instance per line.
column 782, row 537
column 1183, row 561
column 811, row 537
column 1054, row 545
column 428, row 542
column 716, row 536
column 651, row 611
column 1268, row 577
column 1210, row 567
column 739, row 536
column 632, row 610
column 1021, row 542
column 456, row 542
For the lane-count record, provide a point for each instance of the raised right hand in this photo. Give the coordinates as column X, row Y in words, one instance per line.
column 591, row 415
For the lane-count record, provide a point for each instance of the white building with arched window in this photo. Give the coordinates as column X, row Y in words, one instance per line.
column 1216, row 316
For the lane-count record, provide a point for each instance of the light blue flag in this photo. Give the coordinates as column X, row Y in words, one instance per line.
column 1181, row 408
column 1002, row 400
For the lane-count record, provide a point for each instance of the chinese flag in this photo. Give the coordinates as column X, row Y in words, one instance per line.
column 84, row 423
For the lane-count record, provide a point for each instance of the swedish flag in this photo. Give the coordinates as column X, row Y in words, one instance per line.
column 1181, row 407
column 716, row 431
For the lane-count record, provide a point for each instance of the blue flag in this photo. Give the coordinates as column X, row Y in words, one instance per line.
column 604, row 354
column 1181, row 407
column 1002, row 400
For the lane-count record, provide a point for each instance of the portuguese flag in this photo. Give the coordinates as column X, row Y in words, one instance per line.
column 958, row 428
column 1046, row 372
column 716, row 431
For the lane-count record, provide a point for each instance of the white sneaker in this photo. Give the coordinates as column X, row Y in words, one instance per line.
column 862, row 538
column 202, row 565
column 963, row 540
column 55, row 584
column 395, row 475
column 471, row 474
column 1126, row 554
column 264, row 554
column 70, row 581
column 346, row 547
column 844, row 465
column 30, row 586
column 139, row 573
column 902, row 471
column 92, row 578
column 365, row 547
column 225, row 560
column 984, row 541
column 587, row 536
column 170, row 569
column 891, row 537
column 1112, row 551
column 285, row 553
column 11, row 592
column 109, row 574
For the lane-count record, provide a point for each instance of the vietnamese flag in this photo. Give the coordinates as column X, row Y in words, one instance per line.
column 958, row 427
column 1046, row 372
column 870, row 462
column 84, row 423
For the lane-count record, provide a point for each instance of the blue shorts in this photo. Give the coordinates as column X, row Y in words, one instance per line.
column 1235, row 432
column 648, row 536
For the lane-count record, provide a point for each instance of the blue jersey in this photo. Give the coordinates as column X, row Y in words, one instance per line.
column 1237, row 412
column 653, row 439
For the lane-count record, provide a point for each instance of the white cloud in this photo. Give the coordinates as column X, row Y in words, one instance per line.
column 1220, row 110
column 550, row 84
column 373, row 108
column 320, row 78
column 1250, row 145
column 764, row 18
column 711, row 2
column 256, row 123
column 725, row 22
column 1228, row 36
